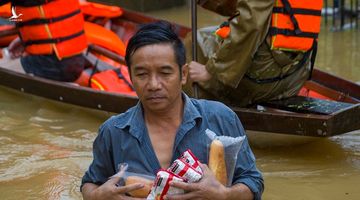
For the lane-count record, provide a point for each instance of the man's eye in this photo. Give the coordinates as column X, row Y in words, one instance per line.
column 140, row 74
column 166, row 72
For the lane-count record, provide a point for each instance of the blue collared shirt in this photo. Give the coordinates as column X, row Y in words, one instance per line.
column 124, row 139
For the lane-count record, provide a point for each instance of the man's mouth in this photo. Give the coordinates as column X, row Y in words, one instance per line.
column 155, row 98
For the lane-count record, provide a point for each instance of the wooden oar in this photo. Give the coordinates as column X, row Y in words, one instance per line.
column 194, row 41
column 107, row 53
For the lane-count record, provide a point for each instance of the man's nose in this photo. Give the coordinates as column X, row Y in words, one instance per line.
column 154, row 83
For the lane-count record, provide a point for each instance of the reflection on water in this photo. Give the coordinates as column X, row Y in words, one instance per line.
column 45, row 147
column 324, row 169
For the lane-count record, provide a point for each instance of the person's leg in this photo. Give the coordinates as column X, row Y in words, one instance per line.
column 48, row 66
column 72, row 67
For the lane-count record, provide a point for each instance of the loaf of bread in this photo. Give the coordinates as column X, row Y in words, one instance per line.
column 217, row 161
column 142, row 192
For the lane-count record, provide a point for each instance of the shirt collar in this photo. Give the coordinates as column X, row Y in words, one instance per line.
column 136, row 119
column 191, row 113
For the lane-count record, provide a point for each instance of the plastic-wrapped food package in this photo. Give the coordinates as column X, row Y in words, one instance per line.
column 128, row 178
column 161, row 185
column 223, row 151
column 184, row 169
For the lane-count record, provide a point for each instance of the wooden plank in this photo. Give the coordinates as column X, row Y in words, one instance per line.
column 67, row 92
column 285, row 122
column 345, row 120
column 330, row 93
column 336, row 83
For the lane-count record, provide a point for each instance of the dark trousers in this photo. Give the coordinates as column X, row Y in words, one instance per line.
column 49, row 66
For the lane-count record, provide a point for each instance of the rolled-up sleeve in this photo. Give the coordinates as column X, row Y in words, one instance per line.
column 102, row 166
column 246, row 171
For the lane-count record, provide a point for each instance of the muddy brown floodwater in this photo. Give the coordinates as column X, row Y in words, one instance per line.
column 45, row 147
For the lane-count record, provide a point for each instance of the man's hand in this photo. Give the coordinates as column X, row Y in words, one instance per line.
column 198, row 72
column 109, row 190
column 16, row 49
column 207, row 188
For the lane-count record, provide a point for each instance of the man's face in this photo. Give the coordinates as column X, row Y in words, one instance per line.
column 156, row 77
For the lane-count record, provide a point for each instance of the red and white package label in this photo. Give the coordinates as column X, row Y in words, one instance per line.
column 190, row 158
column 161, row 186
column 183, row 169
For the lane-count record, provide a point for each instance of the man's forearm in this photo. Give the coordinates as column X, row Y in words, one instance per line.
column 239, row 192
column 88, row 191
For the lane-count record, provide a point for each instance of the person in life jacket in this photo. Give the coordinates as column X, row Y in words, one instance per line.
column 264, row 51
column 51, row 38
column 113, row 80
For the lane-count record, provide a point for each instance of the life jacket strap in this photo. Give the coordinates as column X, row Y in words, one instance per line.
column 39, row 21
column 121, row 76
column 290, row 12
column 275, row 31
column 299, row 11
column 53, row 40
column 30, row 3
column 313, row 57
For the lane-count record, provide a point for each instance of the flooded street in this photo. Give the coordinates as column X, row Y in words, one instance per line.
column 45, row 146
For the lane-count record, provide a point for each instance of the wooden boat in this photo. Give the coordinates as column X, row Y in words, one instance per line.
column 331, row 106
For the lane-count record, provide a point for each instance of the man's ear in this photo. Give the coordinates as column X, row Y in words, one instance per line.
column 184, row 73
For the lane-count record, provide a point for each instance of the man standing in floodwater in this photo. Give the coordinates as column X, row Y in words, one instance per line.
column 165, row 123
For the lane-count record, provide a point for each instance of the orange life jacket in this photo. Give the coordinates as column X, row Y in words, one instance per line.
column 113, row 80
column 52, row 26
column 5, row 10
column 100, row 10
column 103, row 37
column 295, row 24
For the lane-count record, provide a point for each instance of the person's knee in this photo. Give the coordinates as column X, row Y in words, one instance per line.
column 49, row 66
column 73, row 67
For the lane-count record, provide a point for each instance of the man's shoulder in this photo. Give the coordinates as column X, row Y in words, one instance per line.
column 119, row 120
column 210, row 107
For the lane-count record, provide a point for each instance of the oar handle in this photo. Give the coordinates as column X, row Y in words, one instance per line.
column 107, row 53
column 194, row 41
column 194, row 29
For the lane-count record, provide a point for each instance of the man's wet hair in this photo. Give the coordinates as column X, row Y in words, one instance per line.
column 160, row 32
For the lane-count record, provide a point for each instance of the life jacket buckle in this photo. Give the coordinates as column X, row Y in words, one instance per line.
column 298, row 31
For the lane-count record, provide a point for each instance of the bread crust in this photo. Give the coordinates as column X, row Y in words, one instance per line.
column 217, row 161
column 142, row 192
